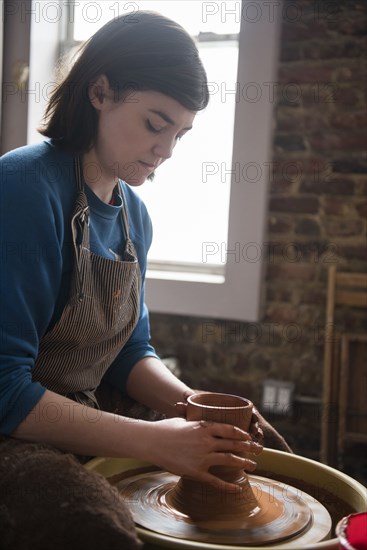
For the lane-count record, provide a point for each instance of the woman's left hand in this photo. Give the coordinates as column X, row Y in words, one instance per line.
column 255, row 430
column 265, row 434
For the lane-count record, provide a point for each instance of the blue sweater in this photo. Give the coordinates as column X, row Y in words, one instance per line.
column 37, row 196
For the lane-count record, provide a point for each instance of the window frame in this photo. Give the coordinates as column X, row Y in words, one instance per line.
column 235, row 292
column 239, row 296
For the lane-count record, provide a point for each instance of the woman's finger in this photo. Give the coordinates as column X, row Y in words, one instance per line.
column 236, row 446
column 225, row 431
column 255, row 416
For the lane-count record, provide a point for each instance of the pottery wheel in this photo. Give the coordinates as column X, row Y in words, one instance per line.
column 284, row 513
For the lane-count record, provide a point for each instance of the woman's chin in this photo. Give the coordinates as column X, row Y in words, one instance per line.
column 136, row 181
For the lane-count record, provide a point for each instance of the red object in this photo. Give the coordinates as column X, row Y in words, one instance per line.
column 352, row 532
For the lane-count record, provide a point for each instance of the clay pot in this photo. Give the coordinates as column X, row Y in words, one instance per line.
column 202, row 501
column 225, row 409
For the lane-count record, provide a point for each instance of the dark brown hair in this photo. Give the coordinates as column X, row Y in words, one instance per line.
column 140, row 51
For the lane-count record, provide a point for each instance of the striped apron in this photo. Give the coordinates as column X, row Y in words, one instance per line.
column 99, row 317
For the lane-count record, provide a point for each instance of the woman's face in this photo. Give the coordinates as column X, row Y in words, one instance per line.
column 138, row 133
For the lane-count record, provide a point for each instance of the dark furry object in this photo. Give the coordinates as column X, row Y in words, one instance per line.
column 49, row 500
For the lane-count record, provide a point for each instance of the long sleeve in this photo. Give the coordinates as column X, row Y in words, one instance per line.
column 32, row 232
column 37, row 196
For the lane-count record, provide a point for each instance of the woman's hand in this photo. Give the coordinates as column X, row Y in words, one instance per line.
column 189, row 449
column 261, row 431
column 255, row 430
column 265, row 434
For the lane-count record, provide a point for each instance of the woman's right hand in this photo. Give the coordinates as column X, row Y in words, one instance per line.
column 189, row 449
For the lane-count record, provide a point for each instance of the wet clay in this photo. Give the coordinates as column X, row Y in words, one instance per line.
column 148, row 497
column 336, row 506
column 187, row 509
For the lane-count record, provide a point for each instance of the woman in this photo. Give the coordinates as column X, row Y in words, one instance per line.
column 75, row 327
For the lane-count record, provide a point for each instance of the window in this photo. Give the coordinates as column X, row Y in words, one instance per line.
column 207, row 262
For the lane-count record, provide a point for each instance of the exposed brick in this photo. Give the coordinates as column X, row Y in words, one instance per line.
column 330, row 12
column 286, row 250
column 290, row 167
column 362, row 209
column 279, row 225
column 289, row 142
column 354, row 253
column 346, row 141
column 297, row 166
column 305, row 74
column 363, row 187
column 347, row 120
column 351, row 72
column 296, row 31
column 354, row 48
column 278, row 295
column 333, row 49
column 335, row 186
column 311, row 250
column 312, row 120
column 295, row 272
column 307, row 226
column 348, row 97
column 343, row 228
column 319, row 50
column 318, row 94
column 290, row 120
column 282, row 314
column 290, row 52
column 279, row 184
column 287, row 120
column 335, row 206
column 290, row 100
column 296, row 205
column 356, row 27
column 350, row 165
column 313, row 296
column 259, row 359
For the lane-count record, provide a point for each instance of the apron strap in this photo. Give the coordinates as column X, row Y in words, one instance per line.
column 81, row 213
column 125, row 216
column 78, row 173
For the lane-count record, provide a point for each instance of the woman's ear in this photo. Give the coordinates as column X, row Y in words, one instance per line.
column 99, row 91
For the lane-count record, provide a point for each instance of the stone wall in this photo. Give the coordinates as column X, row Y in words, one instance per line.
column 317, row 216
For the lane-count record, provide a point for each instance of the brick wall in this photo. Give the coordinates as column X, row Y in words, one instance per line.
column 317, row 216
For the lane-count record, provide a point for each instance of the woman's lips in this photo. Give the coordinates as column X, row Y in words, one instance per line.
column 147, row 166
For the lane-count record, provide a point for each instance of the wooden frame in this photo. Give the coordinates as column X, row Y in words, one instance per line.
column 352, row 426
column 343, row 289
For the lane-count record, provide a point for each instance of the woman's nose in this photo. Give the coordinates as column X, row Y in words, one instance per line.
column 164, row 148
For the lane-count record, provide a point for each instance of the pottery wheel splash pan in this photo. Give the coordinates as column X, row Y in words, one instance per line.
column 283, row 513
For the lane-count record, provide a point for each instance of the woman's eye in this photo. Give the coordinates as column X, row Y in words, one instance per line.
column 152, row 128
